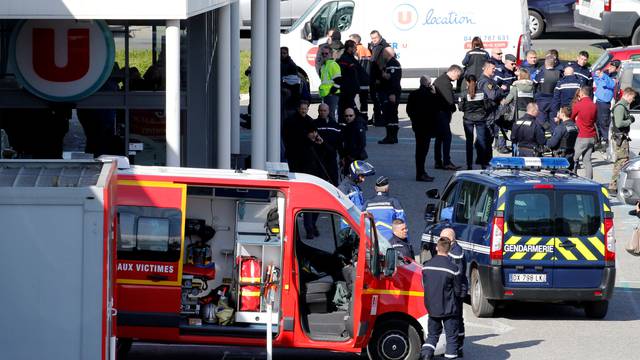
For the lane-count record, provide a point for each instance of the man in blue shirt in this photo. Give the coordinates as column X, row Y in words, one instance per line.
column 605, row 83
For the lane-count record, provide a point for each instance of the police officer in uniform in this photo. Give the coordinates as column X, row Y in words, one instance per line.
column 620, row 126
column 384, row 208
column 331, row 134
column 565, row 90
column 442, row 286
column 546, row 80
column 505, row 73
column 474, row 59
column 456, row 255
column 581, row 69
column 492, row 96
column 527, row 135
column 391, row 88
column 399, row 240
column 350, row 186
column 563, row 140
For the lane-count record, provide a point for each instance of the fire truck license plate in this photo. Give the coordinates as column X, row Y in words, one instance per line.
column 533, row 278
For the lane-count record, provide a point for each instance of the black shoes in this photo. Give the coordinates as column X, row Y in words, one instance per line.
column 424, row 178
column 504, row 150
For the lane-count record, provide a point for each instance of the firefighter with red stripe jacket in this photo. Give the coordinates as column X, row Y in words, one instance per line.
column 442, row 286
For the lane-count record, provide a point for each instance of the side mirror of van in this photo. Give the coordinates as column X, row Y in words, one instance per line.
column 307, row 34
column 433, row 194
column 430, row 213
column 390, row 262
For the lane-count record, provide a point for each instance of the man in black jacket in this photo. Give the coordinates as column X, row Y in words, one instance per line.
column 423, row 117
column 376, row 46
column 527, row 135
column 442, row 286
column 350, row 85
column 390, row 88
column 399, row 241
column 294, row 137
column 354, row 135
column 446, row 105
column 331, row 135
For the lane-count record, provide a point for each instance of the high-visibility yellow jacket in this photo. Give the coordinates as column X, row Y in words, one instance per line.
column 329, row 72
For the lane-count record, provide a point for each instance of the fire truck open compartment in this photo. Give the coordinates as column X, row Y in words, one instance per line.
column 241, row 241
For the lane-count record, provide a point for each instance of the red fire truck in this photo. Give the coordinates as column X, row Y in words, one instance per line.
column 222, row 257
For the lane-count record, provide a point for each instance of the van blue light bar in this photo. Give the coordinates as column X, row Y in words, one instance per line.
column 520, row 163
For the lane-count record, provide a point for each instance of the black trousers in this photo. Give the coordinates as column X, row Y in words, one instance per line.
column 443, row 139
column 435, row 329
column 460, row 324
column 603, row 119
column 363, row 96
column 423, row 141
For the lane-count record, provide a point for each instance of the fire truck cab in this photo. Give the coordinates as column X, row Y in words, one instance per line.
column 222, row 257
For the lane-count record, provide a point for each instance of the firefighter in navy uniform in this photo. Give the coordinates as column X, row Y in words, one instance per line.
column 581, row 69
column 565, row 90
column 442, row 286
column 563, row 141
column 391, row 88
column 527, row 135
column 546, row 80
column 456, row 255
column 399, row 240
column 384, row 208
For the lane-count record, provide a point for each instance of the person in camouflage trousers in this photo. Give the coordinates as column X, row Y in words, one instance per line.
column 622, row 121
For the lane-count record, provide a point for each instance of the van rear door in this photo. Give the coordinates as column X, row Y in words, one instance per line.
column 580, row 239
column 529, row 237
column 554, row 236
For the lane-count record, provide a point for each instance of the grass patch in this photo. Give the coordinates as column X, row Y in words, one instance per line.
column 245, row 60
column 572, row 55
column 141, row 59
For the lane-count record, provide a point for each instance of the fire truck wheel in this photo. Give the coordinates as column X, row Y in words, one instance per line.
column 122, row 348
column 394, row 340
column 480, row 305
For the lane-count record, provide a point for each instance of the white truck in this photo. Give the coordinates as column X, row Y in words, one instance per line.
column 427, row 35
column 617, row 20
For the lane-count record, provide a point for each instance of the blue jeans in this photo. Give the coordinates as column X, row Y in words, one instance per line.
column 482, row 142
column 603, row 119
column 442, row 152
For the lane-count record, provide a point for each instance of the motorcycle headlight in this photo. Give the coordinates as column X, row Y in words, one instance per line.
column 632, row 165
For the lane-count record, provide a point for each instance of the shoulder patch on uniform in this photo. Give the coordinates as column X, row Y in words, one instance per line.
column 490, row 86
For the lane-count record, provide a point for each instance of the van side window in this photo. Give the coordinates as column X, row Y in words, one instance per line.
column 483, row 209
column 149, row 233
column 446, row 204
column 466, row 202
column 333, row 15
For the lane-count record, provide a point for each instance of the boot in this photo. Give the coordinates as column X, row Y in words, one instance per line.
column 394, row 131
column 388, row 139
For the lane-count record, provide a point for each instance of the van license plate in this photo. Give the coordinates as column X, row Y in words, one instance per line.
column 532, row 278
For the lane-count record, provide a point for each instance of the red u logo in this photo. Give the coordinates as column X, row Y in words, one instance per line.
column 44, row 48
column 404, row 17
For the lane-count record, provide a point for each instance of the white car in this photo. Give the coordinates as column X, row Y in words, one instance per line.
column 290, row 11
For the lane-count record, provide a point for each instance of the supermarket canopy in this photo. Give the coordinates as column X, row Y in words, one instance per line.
column 107, row 9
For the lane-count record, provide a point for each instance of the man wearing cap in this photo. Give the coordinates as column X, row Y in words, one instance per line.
column 604, row 81
column 384, row 208
column 505, row 73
